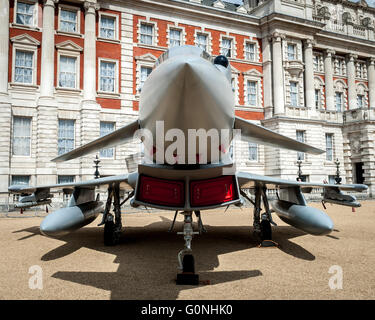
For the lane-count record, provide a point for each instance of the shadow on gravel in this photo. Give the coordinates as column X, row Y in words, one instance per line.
column 147, row 257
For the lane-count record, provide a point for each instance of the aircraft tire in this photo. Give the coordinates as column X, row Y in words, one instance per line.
column 109, row 233
column 266, row 230
column 188, row 263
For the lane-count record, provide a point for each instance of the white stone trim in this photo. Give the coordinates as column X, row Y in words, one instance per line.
column 147, row 60
column 298, row 46
column 339, row 85
column 256, row 76
column 68, row 48
column 155, row 33
column 235, row 75
column 115, row 93
column 182, row 34
column 209, row 39
column 25, row 42
column 69, row 8
column 117, row 31
column 362, row 89
column 319, row 85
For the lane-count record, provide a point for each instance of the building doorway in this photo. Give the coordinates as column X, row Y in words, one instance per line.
column 359, row 172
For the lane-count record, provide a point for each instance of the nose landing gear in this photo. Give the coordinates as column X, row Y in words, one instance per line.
column 185, row 256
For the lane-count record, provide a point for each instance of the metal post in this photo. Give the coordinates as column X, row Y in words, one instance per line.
column 338, row 178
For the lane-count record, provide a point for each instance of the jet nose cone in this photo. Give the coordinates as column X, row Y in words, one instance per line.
column 326, row 225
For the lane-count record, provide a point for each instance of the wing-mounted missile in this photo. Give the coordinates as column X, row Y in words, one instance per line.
column 292, row 209
column 336, row 196
column 82, row 209
column 37, row 198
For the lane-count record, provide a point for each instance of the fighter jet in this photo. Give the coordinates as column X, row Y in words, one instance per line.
column 187, row 96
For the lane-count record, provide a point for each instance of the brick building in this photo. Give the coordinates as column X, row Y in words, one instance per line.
column 71, row 71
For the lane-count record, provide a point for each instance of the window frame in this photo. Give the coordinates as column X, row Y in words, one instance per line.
column 294, row 45
column 301, row 155
column 28, row 48
column 170, row 28
column 256, row 146
column 297, row 93
column 116, row 84
column 30, row 138
column 117, row 31
column 77, row 69
column 256, row 59
column 78, row 19
column 113, row 148
column 256, row 92
column 332, row 146
column 232, row 46
column 341, row 94
column 197, row 34
column 154, row 32
column 74, row 133
column 35, row 14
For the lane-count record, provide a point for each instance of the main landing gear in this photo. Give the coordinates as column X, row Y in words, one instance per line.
column 112, row 223
column 262, row 223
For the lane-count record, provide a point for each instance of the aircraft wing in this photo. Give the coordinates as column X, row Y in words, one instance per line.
column 331, row 193
column 253, row 133
column 120, row 136
column 34, row 196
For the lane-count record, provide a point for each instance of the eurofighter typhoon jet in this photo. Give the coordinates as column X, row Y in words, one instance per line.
column 187, row 94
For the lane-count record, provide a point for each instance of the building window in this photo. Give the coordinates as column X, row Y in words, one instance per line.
column 107, row 76
column 68, row 20
column 106, row 128
column 68, row 72
column 23, row 71
column 339, row 66
column 145, row 72
column 65, row 179
column 147, row 32
column 291, row 51
column 21, row 180
column 361, row 70
column 252, row 93
column 174, row 37
column 21, row 136
column 66, row 136
column 316, row 63
column 202, row 41
column 25, row 13
column 250, row 51
column 107, row 27
column 226, row 49
column 294, row 94
column 300, row 135
column 253, row 151
column 329, row 146
column 360, row 100
column 338, row 101
column 317, row 98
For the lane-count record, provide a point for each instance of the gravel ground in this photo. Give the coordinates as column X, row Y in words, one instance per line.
column 144, row 264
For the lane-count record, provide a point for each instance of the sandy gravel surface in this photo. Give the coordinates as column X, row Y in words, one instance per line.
column 143, row 266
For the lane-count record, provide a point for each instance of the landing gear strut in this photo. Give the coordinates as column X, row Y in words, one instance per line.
column 112, row 223
column 185, row 256
column 262, row 223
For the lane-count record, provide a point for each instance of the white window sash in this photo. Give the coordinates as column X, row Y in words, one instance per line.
column 23, row 70
column 146, row 33
column 174, row 37
column 106, row 128
column 68, row 20
column 65, row 136
column 108, row 27
column 67, row 72
column 107, row 76
column 25, row 13
column 21, row 136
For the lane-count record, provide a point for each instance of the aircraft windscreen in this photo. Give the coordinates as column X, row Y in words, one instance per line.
column 183, row 50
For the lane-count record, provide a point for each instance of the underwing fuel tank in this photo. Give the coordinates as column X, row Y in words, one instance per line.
column 308, row 219
column 66, row 220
